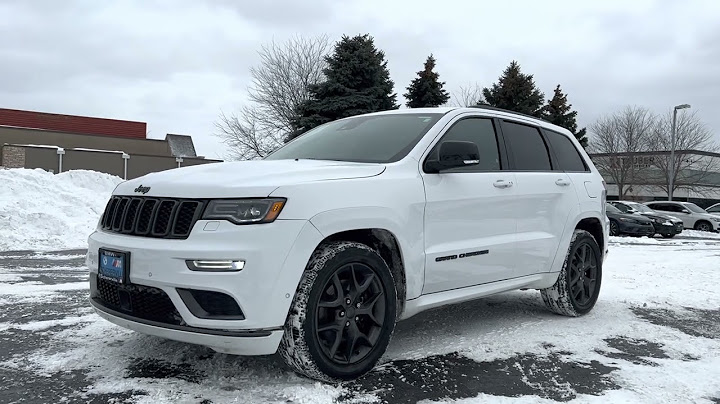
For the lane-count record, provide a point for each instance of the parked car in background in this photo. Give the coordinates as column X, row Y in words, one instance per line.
column 714, row 209
column 665, row 225
column 628, row 223
column 693, row 216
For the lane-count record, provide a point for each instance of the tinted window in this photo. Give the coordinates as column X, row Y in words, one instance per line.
column 610, row 208
column 694, row 208
column 479, row 131
column 364, row 139
column 568, row 158
column 714, row 209
column 660, row 206
column 622, row 207
column 667, row 207
column 528, row 147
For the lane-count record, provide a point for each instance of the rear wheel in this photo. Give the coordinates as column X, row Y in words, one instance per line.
column 343, row 313
column 578, row 285
column 668, row 235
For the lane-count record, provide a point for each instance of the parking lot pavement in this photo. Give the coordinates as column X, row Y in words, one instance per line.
column 653, row 337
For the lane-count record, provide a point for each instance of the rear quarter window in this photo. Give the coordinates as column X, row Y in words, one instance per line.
column 566, row 154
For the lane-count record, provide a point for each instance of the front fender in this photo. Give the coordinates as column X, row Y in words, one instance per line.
column 406, row 226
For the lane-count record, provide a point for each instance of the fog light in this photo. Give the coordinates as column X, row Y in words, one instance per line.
column 215, row 265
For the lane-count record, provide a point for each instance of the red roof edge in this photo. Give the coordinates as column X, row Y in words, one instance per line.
column 72, row 123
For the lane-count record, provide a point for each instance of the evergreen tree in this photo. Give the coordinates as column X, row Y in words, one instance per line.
column 426, row 90
column 558, row 111
column 515, row 91
column 357, row 82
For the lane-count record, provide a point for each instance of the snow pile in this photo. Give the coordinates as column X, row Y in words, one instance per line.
column 43, row 211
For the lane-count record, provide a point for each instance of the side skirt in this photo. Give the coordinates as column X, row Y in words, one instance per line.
column 433, row 300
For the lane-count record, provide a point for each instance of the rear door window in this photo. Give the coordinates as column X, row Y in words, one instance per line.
column 529, row 152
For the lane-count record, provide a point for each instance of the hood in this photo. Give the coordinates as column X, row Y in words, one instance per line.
column 242, row 179
column 661, row 216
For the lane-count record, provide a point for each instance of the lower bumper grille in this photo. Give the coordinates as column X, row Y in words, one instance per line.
column 144, row 302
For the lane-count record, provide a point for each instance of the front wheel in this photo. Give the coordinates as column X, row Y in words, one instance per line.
column 343, row 313
column 614, row 228
column 578, row 285
column 703, row 226
column 668, row 235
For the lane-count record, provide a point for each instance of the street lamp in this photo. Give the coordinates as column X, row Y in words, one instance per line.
column 672, row 149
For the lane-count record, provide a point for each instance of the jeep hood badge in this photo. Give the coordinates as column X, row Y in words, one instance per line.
column 142, row 189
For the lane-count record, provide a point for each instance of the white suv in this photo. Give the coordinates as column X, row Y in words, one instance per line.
column 317, row 250
column 693, row 216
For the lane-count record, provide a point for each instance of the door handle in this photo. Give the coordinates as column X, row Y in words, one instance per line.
column 562, row 182
column 502, row 184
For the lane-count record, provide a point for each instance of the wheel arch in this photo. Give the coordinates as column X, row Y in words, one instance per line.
column 697, row 222
column 381, row 229
column 594, row 226
column 385, row 243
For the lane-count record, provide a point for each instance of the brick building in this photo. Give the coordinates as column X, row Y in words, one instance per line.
column 58, row 143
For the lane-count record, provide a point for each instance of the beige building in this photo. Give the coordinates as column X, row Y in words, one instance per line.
column 58, row 143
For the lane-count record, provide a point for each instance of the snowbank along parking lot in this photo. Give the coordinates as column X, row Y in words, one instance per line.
column 654, row 335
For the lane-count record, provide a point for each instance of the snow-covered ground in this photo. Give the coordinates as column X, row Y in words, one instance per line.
column 44, row 211
column 654, row 336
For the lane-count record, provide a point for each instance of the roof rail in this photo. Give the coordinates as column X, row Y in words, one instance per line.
column 483, row 106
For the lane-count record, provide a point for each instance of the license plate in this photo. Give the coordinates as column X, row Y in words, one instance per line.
column 113, row 265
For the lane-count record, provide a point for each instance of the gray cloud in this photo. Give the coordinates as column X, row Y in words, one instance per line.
column 177, row 64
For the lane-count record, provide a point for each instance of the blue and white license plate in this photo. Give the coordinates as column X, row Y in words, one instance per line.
column 113, row 265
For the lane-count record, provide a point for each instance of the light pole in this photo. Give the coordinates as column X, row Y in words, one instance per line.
column 672, row 150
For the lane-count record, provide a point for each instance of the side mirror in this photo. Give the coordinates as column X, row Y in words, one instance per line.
column 453, row 154
column 686, row 211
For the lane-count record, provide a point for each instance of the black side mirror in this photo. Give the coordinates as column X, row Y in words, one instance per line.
column 453, row 154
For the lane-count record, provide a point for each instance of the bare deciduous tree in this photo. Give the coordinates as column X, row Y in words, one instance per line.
column 248, row 135
column 279, row 85
column 617, row 138
column 690, row 169
column 467, row 95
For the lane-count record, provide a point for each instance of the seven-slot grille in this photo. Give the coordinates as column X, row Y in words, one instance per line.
column 151, row 217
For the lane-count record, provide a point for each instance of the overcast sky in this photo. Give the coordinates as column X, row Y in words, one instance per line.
column 177, row 64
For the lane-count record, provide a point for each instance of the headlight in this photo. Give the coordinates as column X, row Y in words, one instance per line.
column 660, row 221
column 625, row 219
column 717, row 219
column 244, row 211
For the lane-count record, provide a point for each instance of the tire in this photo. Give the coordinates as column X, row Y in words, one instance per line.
column 668, row 235
column 703, row 226
column 614, row 228
column 308, row 351
column 559, row 298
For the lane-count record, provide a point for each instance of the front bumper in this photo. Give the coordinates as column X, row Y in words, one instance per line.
column 635, row 229
column 675, row 228
column 275, row 256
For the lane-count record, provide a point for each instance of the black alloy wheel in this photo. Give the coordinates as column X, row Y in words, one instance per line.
column 614, row 230
column 583, row 271
column 343, row 314
column 350, row 314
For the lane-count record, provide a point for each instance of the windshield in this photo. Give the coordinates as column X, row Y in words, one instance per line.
column 694, row 208
column 611, row 208
column 362, row 139
column 640, row 207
